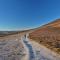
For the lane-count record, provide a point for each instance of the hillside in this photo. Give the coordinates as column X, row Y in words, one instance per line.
column 48, row 35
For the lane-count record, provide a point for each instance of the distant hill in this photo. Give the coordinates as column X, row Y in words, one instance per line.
column 5, row 33
column 48, row 35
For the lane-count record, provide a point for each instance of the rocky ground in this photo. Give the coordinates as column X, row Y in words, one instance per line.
column 16, row 49
column 11, row 50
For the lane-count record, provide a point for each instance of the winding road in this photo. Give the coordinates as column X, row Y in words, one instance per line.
column 29, row 46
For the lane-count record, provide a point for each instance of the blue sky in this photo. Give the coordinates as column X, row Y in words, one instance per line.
column 25, row 14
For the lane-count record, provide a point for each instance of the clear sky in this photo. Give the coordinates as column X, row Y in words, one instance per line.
column 23, row 14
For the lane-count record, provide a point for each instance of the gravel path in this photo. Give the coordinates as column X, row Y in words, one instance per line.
column 31, row 55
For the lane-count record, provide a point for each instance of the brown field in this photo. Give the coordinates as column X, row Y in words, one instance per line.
column 48, row 35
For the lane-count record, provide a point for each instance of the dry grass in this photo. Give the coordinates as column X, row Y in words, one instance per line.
column 49, row 36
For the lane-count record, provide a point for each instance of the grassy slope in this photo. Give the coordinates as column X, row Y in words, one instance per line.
column 48, row 36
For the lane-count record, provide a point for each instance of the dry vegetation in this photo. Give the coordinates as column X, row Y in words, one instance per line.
column 49, row 36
